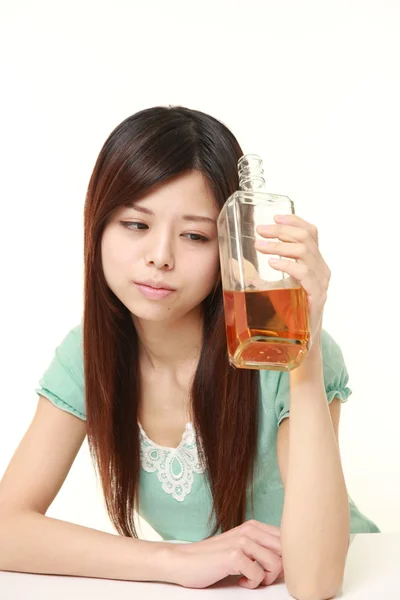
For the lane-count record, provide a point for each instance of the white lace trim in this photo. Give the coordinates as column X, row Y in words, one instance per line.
column 163, row 460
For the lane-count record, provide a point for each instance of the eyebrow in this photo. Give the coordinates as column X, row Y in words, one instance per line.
column 193, row 218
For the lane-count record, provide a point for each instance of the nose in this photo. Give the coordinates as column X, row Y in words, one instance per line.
column 160, row 252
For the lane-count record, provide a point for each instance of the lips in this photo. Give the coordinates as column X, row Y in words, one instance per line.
column 157, row 285
column 154, row 290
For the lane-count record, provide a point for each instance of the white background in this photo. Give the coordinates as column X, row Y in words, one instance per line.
column 313, row 87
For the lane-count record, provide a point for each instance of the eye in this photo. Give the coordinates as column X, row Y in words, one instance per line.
column 134, row 225
column 195, row 237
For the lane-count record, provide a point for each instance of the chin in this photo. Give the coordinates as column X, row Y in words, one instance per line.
column 151, row 316
column 150, row 313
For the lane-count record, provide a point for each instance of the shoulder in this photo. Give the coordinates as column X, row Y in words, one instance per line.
column 336, row 376
column 331, row 351
column 275, row 385
column 69, row 352
column 74, row 335
column 63, row 380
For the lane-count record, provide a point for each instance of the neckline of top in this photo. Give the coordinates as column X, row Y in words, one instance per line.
column 189, row 430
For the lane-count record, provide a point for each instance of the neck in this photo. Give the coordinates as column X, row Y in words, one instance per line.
column 169, row 346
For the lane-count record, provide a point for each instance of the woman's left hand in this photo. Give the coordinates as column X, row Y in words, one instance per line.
column 299, row 240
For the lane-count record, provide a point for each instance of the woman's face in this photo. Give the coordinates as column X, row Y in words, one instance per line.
column 167, row 239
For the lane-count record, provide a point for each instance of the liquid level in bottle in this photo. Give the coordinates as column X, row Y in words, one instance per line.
column 267, row 329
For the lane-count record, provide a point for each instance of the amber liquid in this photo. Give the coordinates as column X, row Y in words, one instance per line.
column 267, row 329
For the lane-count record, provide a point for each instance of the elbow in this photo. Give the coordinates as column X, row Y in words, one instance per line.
column 315, row 593
column 325, row 585
column 321, row 581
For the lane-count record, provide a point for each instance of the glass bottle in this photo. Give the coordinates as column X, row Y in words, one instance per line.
column 266, row 311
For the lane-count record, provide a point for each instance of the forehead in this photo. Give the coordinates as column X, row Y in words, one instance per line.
column 188, row 192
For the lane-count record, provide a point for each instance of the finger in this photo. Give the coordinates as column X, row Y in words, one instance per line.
column 270, row 578
column 298, row 271
column 271, row 563
column 297, row 221
column 252, row 573
column 268, row 559
column 310, row 256
column 272, row 529
column 260, row 537
column 289, row 250
column 264, row 534
column 287, row 233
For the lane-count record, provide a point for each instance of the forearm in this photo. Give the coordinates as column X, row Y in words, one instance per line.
column 316, row 521
column 33, row 543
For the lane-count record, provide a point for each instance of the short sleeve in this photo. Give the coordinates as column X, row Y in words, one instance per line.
column 63, row 381
column 335, row 372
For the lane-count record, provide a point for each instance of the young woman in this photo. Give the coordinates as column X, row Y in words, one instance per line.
column 204, row 452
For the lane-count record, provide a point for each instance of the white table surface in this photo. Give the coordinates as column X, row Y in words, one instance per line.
column 372, row 573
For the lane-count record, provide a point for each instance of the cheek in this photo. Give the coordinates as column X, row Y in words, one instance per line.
column 205, row 269
column 107, row 252
column 114, row 257
column 114, row 250
column 215, row 264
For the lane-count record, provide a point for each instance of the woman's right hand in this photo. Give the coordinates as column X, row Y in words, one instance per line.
column 200, row 564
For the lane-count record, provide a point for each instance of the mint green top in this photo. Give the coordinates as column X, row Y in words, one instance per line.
column 174, row 497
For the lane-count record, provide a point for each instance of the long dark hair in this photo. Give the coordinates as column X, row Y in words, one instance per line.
column 147, row 148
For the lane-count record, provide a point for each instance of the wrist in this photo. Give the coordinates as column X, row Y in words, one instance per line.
column 311, row 368
column 169, row 562
column 315, row 347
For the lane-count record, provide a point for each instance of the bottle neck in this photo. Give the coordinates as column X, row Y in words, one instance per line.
column 251, row 173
